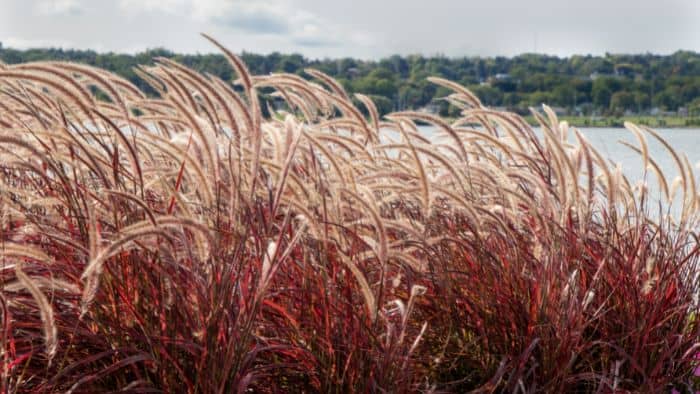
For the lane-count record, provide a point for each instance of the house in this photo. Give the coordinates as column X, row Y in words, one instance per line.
column 656, row 111
column 595, row 75
column 624, row 70
column 583, row 109
column 496, row 78
column 431, row 108
column 560, row 111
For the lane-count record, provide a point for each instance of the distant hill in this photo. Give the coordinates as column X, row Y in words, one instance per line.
column 584, row 85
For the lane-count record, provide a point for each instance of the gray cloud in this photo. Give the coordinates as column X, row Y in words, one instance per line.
column 58, row 7
column 359, row 28
column 255, row 23
column 315, row 42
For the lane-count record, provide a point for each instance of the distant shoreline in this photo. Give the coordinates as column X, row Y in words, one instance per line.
column 666, row 122
column 663, row 122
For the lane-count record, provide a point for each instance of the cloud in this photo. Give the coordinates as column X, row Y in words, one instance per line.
column 274, row 17
column 323, row 28
column 281, row 19
column 58, row 7
column 21, row 43
column 310, row 34
column 138, row 6
column 252, row 18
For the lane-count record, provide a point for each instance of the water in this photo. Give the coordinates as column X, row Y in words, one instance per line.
column 683, row 141
column 606, row 141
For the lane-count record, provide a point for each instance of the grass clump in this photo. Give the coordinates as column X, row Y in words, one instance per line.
column 187, row 243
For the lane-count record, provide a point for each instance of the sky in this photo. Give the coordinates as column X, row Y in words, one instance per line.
column 367, row 29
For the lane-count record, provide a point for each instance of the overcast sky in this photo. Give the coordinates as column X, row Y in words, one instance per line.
column 357, row 28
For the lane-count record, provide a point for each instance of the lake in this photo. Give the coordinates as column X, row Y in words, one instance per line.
column 606, row 141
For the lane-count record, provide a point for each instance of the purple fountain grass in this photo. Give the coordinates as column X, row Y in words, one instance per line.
column 187, row 242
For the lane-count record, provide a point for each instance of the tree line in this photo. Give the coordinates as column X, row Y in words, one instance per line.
column 613, row 84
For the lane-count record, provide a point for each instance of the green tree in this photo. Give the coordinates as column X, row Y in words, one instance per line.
column 601, row 93
column 589, row 82
column 564, row 95
column 622, row 101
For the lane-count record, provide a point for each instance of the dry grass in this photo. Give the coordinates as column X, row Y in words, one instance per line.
column 187, row 243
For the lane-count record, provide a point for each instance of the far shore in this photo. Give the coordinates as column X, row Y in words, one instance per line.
column 656, row 122
column 671, row 122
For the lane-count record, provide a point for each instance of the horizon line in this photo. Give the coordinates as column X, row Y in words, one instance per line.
column 311, row 58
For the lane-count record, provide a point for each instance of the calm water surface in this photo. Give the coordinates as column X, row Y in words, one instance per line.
column 606, row 141
column 684, row 141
